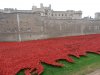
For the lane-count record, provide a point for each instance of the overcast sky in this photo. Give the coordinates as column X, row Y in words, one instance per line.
column 89, row 7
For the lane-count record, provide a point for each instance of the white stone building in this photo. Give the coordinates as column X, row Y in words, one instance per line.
column 47, row 11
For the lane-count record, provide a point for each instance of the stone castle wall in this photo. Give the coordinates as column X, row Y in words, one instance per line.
column 8, row 22
column 33, row 26
column 71, row 27
column 28, row 24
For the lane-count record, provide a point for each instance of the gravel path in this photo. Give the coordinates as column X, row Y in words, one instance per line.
column 97, row 72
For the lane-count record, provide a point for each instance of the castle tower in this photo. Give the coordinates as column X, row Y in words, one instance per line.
column 34, row 7
column 41, row 5
column 49, row 6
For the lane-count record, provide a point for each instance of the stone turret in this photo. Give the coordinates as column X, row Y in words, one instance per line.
column 41, row 5
column 97, row 15
column 49, row 6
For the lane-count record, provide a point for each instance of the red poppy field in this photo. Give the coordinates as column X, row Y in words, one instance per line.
column 29, row 55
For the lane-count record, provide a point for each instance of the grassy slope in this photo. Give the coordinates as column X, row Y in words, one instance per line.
column 80, row 67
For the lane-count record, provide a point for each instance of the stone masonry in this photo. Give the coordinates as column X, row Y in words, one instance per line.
column 17, row 25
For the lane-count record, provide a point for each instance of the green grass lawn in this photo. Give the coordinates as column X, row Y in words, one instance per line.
column 81, row 66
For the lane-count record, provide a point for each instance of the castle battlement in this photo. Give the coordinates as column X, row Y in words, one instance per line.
column 47, row 12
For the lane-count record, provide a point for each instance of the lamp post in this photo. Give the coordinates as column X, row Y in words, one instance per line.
column 18, row 24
